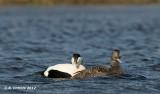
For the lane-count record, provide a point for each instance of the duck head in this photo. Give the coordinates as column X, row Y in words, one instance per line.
column 115, row 58
column 76, row 60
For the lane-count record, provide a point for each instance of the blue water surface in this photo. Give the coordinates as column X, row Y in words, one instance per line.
column 33, row 38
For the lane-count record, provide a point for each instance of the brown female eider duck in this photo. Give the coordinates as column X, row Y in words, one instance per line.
column 113, row 69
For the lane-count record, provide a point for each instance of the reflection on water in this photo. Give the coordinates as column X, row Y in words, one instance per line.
column 31, row 39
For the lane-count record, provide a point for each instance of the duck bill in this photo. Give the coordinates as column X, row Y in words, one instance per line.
column 77, row 64
column 119, row 60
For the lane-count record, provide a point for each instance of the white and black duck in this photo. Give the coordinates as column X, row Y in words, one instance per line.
column 65, row 70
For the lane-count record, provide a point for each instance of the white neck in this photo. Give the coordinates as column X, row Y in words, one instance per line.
column 79, row 60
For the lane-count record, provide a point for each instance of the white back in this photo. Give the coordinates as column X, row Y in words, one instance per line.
column 67, row 68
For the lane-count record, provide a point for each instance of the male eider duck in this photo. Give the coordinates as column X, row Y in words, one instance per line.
column 65, row 70
column 113, row 69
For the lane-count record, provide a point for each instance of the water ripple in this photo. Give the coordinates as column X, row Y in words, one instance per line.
column 32, row 39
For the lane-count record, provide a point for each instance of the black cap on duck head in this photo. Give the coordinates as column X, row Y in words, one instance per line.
column 76, row 59
column 76, row 55
column 116, row 56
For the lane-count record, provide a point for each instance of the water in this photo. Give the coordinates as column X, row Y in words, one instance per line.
column 33, row 38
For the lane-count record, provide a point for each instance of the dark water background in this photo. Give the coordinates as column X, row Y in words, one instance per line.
column 33, row 38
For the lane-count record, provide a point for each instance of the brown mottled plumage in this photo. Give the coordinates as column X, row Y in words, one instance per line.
column 113, row 69
column 91, row 72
